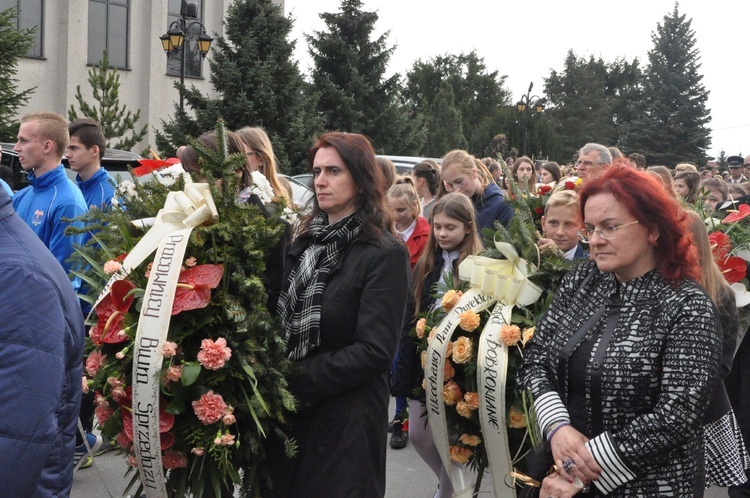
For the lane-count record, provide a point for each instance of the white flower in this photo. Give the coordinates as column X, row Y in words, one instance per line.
column 167, row 176
column 262, row 188
column 289, row 216
column 712, row 222
column 741, row 295
column 127, row 189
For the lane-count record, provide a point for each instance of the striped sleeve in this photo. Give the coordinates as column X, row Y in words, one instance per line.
column 550, row 408
column 615, row 472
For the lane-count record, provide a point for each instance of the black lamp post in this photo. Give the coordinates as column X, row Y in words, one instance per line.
column 524, row 108
column 176, row 38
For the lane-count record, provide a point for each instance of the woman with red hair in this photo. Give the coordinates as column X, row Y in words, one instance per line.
column 623, row 364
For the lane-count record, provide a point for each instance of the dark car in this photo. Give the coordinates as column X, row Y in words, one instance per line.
column 115, row 161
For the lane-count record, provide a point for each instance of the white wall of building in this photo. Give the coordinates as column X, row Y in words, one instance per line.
column 145, row 85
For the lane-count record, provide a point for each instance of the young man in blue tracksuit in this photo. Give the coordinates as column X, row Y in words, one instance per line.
column 51, row 197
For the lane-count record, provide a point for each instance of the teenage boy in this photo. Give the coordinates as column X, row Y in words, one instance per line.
column 561, row 223
column 84, row 154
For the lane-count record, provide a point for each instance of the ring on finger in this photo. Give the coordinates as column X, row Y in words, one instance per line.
column 568, row 464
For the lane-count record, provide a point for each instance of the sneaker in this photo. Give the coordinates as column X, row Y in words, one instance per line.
column 399, row 437
column 107, row 445
column 83, row 454
column 391, row 424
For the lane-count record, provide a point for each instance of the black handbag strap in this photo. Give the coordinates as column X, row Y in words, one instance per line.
column 597, row 367
column 570, row 346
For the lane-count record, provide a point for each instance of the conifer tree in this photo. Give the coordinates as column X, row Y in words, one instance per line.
column 118, row 123
column 349, row 75
column 445, row 131
column 13, row 44
column 670, row 116
column 258, row 84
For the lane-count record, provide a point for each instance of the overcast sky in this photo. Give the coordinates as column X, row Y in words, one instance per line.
column 524, row 40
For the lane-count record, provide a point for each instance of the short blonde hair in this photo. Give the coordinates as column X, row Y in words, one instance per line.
column 52, row 126
column 562, row 198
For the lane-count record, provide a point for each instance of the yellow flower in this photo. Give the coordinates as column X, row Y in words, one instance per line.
column 579, row 181
column 462, row 407
column 510, row 334
column 527, row 335
column 462, row 349
column 459, row 454
column 450, row 299
column 452, row 393
column 472, row 399
column 468, row 320
column 516, row 420
column 423, row 357
column 420, row 327
column 469, row 440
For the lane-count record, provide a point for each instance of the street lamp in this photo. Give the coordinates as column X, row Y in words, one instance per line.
column 524, row 107
column 176, row 38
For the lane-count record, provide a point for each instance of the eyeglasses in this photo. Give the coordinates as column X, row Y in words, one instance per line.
column 607, row 233
column 587, row 164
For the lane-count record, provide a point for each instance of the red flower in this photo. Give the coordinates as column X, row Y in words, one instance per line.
column 194, row 287
column 721, row 245
column 539, row 210
column 166, row 422
column 150, row 165
column 111, row 312
column 544, row 189
column 570, row 185
column 743, row 211
column 734, row 269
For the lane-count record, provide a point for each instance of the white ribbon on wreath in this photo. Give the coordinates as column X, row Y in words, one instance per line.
column 503, row 283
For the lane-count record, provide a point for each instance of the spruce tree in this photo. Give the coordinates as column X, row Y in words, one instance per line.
column 13, row 44
column 671, row 117
column 349, row 75
column 258, row 84
column 445, row 131
column 118, row 123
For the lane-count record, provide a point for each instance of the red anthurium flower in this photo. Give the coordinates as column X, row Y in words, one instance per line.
column 544, row 189
column 150, row 165
column 570, row 185
column 166, row 422
column 743, row 211
column 721, row 245
column 194, row 287
column 734, row 269
column 111, row 312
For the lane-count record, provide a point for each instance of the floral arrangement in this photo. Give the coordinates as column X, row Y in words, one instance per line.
column 222, row 385
column 459, row 390
column 730, row 247
column 542, row 193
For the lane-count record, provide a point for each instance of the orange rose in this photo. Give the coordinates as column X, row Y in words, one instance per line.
column 472, row 399
column 463, row 409
column 468, row 320
column 510, row 334
column 420, row 327
column 423, row 358
column 452, row 393
column 527, row 335
column 460, row 454
column 462, row 350
column 516, row 420
column 469, row 440
column 424, row 384
column 431, row 336
column 450, row 299
column 448, row 371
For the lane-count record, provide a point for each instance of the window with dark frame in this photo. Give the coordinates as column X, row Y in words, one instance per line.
column 30, row 16
column 108, row 30
column 193, row 66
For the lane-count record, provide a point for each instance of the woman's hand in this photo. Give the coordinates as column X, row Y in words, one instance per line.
column 567, row 443
column 558, row 487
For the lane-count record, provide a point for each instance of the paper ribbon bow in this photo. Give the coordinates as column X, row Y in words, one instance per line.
column 505, row 279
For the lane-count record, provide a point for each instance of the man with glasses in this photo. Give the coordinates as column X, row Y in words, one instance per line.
column 592, row 159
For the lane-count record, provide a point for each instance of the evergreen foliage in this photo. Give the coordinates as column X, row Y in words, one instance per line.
column 258, row 84
column 479, row 96
column 13, row 44
column 349, row 76
column 116, row 122
column 445, row 122
column 670, row 116
column 588, row 99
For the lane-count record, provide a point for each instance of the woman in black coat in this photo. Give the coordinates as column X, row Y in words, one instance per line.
column 342, row 305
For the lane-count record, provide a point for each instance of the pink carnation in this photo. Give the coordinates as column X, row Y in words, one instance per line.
column 84, row 385
column 173, row 459
column 112, row 266
column 119, row 394
column 132, row 461
column 210, row 408
column 197, row 451
column 94, row 362
column 103, row 412
column 169, row 349
column 229, row 419
column 174, row 373
column 213, row 354
column 124, row 441
column 191, row 261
